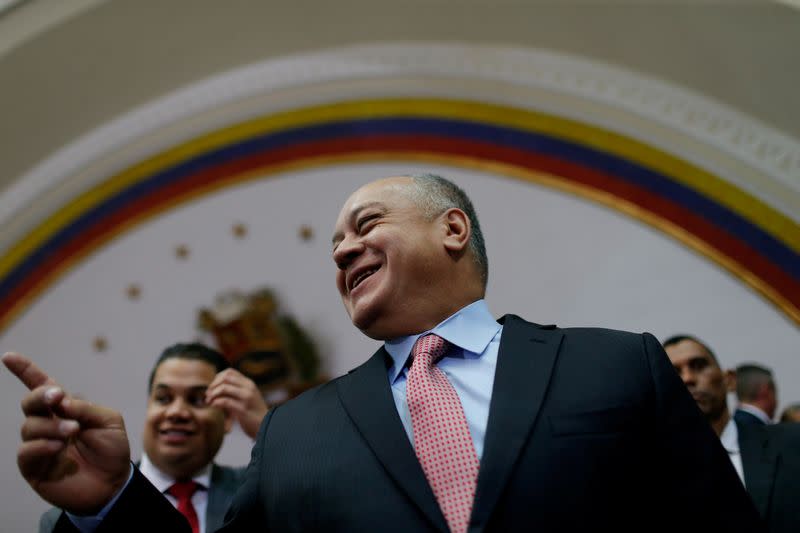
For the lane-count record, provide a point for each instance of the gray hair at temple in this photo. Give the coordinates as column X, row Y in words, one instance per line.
column 434, row 195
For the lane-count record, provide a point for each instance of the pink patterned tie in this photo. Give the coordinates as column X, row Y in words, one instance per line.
column 441, row 436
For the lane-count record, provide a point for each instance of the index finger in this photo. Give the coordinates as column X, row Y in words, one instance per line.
column 26, row 370
column 228, row 375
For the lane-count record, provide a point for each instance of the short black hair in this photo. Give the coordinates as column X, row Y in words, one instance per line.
column 675, row 339
column 749, row 379
column 193, row 351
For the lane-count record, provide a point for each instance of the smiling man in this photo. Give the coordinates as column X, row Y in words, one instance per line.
column 193, row 400
column 458, row 422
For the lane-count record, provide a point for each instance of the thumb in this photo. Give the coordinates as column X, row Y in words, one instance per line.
column 88, row 415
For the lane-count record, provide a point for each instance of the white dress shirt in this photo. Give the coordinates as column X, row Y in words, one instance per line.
column 162, row 482
column 730, row 441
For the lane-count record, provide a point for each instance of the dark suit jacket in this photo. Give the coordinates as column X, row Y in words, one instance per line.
column 771, row 464
column 588, row 430
column 743, row 418
column 224, row 483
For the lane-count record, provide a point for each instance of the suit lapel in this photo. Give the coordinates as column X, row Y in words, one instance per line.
column 367, row 398
column 759, row 460
column 524, row 364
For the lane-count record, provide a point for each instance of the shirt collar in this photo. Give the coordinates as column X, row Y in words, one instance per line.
column 730, row 437
column 471, row 328
column 162, row 481
column 755, row 411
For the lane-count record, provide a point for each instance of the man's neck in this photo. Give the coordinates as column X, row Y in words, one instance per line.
column 719, row 424
column 158, row 475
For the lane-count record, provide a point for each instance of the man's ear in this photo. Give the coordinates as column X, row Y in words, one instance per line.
column 730, row 380
column 457, row 230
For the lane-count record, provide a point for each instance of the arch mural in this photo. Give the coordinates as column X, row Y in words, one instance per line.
column 755, row 242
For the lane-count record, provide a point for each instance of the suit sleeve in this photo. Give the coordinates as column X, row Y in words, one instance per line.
column 699, row 478
column 140, row 507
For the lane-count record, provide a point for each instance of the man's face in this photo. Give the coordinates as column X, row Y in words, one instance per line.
column 388, row 255
column 705, row 380
column 182, row 433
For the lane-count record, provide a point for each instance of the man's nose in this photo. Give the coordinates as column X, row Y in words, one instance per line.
column 687, row 375
column 347, row 250
column 178, row 408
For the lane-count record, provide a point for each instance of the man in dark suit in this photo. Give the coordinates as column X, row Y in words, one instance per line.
column 767, row 458
column 183, row 432
column 757, row 395
column 456, row 423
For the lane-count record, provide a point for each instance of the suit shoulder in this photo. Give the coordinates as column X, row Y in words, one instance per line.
column 306, row 401
column 787, row 433
column 516, row 320
column 576, row 332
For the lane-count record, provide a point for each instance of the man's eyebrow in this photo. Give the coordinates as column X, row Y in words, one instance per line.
column 338, row 236
column 193, row 388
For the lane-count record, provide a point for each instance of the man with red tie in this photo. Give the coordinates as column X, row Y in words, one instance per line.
column 193, row 399
column 456, row 423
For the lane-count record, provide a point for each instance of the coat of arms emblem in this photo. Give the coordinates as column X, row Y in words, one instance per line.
column 265, row 345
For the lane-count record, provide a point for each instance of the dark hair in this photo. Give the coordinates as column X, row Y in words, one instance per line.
column 675, row 339
column 434, row 195
column 750, row 378
column 193, row 351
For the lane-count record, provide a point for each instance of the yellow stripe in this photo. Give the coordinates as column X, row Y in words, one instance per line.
column 756, row 212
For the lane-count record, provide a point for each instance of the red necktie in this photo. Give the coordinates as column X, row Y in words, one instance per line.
column 183, row 492
column 442, row 440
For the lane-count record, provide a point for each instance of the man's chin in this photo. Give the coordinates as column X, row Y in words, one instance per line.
column 367, row 327
column 370, row 326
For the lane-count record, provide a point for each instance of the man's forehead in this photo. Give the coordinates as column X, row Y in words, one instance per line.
column 384, row 190
column 380, row 194
column 687, row 350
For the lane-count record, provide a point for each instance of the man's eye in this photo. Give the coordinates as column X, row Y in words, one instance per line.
column 699, row 364
column 365, row 223
column 161, row 399
column 198, row 400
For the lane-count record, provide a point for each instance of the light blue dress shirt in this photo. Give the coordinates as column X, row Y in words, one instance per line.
column 469, row 367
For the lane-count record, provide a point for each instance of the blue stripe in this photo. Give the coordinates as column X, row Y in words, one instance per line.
column 617, row 167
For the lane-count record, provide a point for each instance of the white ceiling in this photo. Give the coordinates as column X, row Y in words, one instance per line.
column 68, row 67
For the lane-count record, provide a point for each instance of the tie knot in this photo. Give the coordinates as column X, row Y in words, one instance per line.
column 431, row 347
column 183, row 490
